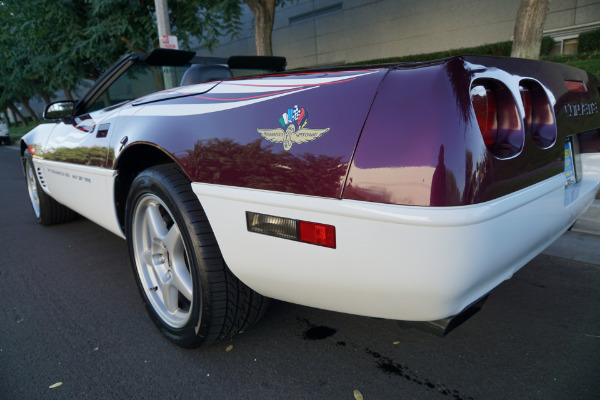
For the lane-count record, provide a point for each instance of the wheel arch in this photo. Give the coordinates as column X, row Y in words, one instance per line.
column 133, row 160
column 23, row 148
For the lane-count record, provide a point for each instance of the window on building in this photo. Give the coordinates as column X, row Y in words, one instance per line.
column 564, row 45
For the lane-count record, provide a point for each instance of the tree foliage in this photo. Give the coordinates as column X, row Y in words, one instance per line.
column 47, row 45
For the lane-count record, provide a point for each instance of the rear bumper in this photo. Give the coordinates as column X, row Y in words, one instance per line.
column 398, row 262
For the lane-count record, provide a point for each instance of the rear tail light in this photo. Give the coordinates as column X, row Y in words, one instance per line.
column 292, row 229
column 539, row 118
column 498, row 118
column 526, row 99
column 575, row 86
column 484, row 104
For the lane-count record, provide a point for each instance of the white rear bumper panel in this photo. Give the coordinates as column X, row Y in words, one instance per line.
column 398, row 262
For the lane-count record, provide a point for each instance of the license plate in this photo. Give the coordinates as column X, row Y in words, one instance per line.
column 570, row 175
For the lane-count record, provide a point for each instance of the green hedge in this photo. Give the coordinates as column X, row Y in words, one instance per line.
column 589, row 41
column 588, row 61
column 492, row 49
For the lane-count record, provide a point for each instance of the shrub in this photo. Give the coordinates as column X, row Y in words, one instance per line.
column 491, row 49
column 547, row 45
column 589, row 41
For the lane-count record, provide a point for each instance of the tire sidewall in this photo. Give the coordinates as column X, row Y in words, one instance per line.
column 50, row 211
column 42, row 220
column 153, row 182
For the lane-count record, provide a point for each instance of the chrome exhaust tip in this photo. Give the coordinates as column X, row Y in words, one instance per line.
column 442, row 327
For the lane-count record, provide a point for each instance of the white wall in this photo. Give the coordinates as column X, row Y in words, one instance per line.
column 371, row 29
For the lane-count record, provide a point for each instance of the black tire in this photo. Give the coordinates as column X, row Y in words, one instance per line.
column 172, row 250
column 47, row 210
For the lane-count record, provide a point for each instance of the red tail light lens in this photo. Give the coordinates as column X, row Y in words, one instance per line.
column 539, row 118
column 526, row 99
column 498, row 118
column 575, row 86
column 484, row 104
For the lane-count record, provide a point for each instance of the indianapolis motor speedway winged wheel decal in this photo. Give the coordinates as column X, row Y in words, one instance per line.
column 293, row 129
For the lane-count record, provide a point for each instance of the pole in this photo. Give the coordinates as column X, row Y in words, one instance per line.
column 162, row 19
column 164, row 31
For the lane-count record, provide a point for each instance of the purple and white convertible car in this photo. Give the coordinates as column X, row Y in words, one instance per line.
column 403, row 191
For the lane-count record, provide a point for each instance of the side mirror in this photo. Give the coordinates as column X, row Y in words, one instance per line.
column 60, row 110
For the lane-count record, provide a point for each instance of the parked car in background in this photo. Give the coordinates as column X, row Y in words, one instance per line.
column 404, row 191
column 4, row 135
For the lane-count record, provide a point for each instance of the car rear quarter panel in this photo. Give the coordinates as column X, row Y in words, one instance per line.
column 216, row 136
column 421, row 144
column 401, row 254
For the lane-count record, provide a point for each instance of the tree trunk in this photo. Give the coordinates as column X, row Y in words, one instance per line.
column 6, row 116
column 17, row 114
column 25, row 103
column 529, row 26
column 46, row 98
column 264, row 15
column 67, row 92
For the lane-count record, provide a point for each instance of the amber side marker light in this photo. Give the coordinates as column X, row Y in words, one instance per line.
column 292, row 229
column 576, row 86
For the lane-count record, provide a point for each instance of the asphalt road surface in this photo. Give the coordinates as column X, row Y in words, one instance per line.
column 70, row 313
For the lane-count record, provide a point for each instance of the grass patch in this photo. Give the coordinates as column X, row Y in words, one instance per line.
column 592, row 66
column 589, row 62
column 15, row 137
column 17, row 132
column 20, row 130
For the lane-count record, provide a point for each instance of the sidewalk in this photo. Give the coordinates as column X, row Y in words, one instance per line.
column 582, row 242
column 590, row 221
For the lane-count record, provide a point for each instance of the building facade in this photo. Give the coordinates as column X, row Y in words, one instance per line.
column 323, row 32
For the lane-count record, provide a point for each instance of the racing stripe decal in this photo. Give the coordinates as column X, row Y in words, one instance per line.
column 281, row 87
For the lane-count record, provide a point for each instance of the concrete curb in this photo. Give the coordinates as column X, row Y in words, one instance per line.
column 590, row 221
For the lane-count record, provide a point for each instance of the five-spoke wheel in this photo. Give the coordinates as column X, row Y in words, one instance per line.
column 188, row 290
column 161, row 260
